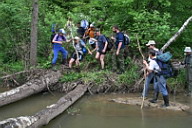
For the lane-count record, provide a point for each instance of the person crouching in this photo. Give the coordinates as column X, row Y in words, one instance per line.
column 77, row 55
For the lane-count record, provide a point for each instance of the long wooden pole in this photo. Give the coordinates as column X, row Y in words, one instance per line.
column 143, row 68
column 173, row 38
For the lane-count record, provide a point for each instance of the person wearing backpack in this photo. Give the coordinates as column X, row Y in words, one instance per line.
column 118, row 51
column 79, row 46
column 150, row 76
column 90, row 34
column 80, row 30
column 188, row 66
column 154, row 67
column 57, row 41
column 101, row 47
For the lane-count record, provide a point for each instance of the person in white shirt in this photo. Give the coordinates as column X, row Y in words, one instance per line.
column 153, row 67
column 150, row 76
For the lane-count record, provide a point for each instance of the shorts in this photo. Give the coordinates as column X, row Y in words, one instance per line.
column 74, row 56
column 101, row 52
column 93, row 46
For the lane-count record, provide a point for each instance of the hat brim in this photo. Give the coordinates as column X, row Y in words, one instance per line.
column 148, row 44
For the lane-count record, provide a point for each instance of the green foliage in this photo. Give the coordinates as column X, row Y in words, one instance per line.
column 178, row 82
column 68, row 77
column 129, row 77
column 96, row 77
column 157, row 20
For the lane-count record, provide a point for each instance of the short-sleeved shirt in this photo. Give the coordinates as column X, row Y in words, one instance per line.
column 59, row 38
column 153, row 65
column 90, row 32
column 119, row 38
column 101, row 42
column 79, row 46
column 80, row 31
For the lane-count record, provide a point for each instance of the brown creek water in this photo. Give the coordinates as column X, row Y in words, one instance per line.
column 97, row 112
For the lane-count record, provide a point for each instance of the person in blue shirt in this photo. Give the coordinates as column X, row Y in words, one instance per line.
column 118, row 57
column 57, row 41
column 101, row 47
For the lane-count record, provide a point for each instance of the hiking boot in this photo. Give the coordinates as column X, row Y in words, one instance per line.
column 54, row 68
column 64, row 62
column 166, row 101
column 154, row 100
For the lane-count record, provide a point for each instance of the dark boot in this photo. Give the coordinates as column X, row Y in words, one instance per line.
column 154, row 100
column 54, row 68
column 166, row 101
column 64, row 62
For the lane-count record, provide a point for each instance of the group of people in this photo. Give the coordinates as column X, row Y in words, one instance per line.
column 159, row 80
column 99, row 43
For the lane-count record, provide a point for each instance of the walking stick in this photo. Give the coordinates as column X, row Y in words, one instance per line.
column 143, row 68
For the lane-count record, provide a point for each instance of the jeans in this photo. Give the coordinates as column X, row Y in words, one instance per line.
column 162, row 85
column 56, row 49
column 147, row 83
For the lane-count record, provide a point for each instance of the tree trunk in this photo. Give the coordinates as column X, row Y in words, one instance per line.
column 44, row 116
column 32, row 87
column 34, row 23
column 177, row 34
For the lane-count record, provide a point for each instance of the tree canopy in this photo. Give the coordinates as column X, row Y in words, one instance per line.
column 157, row 20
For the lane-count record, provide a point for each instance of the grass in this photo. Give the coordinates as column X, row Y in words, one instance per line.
column 97, row 77
column 129, row 77
column 177, row 82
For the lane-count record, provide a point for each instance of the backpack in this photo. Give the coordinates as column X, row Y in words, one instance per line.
column 84, row 50
column 126, row 39
column 84, row 24
column 110, row 43
column 165, row 65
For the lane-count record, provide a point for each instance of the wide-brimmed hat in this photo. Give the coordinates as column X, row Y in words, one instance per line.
column 187, row 49
column 151, row 42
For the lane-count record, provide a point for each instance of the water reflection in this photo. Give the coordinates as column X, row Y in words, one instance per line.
column 98, row 112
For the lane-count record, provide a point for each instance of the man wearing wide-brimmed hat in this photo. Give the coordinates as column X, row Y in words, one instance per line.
column 188, row 66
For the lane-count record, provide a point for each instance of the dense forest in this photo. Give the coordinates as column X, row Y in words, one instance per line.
column 152, row 20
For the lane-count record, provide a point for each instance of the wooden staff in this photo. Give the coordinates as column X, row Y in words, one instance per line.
column 70, row 26
column 143, row 68
column 173, row 38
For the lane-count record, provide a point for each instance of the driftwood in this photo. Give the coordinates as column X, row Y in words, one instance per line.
column 31, row 87
column 177, row 34
column 44, row 116
column 137, row 101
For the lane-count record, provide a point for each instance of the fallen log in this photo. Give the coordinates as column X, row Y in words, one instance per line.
column 44, row 116
column 173, row 38
column 31, row 87
column 137, row 101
